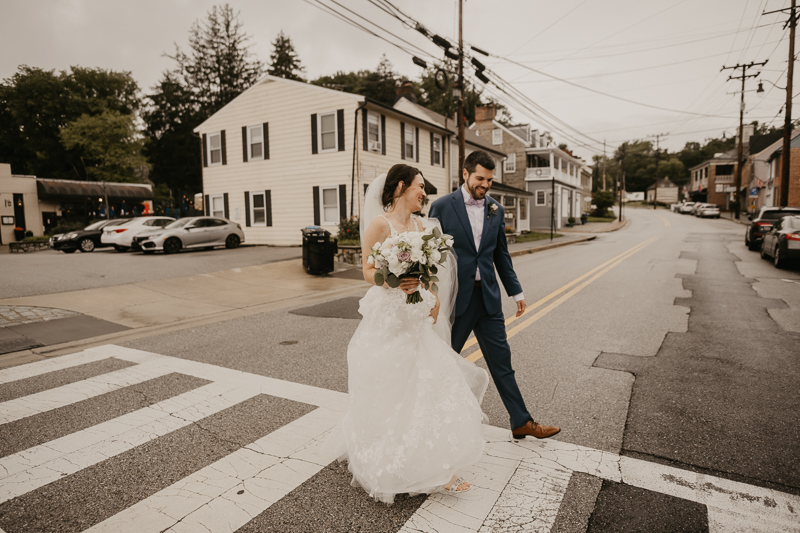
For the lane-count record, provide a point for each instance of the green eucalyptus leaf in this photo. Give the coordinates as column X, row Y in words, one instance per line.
column 393, row 281
column 379, row 279
column 434, row 288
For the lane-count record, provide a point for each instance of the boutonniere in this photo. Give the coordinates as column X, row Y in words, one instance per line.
column 492, row 210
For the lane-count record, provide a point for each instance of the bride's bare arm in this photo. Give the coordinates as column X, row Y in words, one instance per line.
column 377, row 231
column 435, row 310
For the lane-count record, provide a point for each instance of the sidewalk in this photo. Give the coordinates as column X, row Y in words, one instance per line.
column 580, row 233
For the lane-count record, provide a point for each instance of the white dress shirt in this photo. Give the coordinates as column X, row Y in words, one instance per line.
column 476, row 219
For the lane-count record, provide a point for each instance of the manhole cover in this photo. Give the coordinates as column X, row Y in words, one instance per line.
column 288, row 343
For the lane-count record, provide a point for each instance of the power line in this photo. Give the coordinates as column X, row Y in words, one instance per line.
column 526, row 43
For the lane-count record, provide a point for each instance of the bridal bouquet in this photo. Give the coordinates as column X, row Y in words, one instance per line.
column 410, row 254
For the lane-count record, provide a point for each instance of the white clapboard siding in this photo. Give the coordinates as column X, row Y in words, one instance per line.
column 292, row 170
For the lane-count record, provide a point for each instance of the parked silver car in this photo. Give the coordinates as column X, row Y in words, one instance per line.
column 782, row 241
column 686, row 208
column 191, row 232
column 707, row 210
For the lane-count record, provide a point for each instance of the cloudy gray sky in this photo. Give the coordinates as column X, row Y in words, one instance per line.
column 664, row 55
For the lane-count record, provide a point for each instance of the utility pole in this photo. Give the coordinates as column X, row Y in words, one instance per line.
column 604, row 164
column 739, row 164
column 552, row 206
column 658, row 155
column 621, row 179
column 460, row 114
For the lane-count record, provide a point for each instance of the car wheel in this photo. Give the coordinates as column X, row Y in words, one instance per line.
column 69, row 251
column 173, row 245
column 87, row 245
column 777, row 259
column 232, row 241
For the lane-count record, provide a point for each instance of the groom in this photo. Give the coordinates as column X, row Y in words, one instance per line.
column 477, row 224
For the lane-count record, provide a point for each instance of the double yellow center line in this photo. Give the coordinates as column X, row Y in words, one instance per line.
column 575, row 285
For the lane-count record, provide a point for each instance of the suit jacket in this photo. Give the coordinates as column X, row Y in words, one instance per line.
column 493, row 253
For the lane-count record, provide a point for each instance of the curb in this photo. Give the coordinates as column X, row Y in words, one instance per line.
column 53, row 350
column 550, row 246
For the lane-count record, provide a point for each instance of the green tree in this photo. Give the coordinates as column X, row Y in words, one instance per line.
column 283, row 61
column 379, row 84
column 110, row 146
column 217, row 68
column 35, row 104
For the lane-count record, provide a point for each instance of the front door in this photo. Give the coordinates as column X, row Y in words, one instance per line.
column 19, row 211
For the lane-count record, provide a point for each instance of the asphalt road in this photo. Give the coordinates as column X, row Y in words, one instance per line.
column 667, row 342
column 49, row 271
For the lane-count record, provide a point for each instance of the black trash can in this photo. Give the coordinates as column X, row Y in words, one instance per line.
column 318, row 250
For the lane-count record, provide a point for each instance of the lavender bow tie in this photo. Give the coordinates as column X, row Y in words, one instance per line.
column 473, row 201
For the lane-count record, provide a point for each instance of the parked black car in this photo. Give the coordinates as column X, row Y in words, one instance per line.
column 763, row 222
column 85, row 240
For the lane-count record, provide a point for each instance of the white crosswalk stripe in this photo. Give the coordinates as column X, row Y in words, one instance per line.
column 517, row 486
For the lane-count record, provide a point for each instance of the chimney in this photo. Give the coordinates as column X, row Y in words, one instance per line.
column 406, row 90
column 485, row 113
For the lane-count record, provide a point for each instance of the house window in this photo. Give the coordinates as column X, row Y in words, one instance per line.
column 497, row 136
column 217, row 206
column 541, row 197
column 511, row 163
column 330, row 205
column 255, row 138
column 258, row 209
column 509, row 201
column 327, row 132
column 437, row 150
column 214, row 148
column 410, row 140
column 374, row 132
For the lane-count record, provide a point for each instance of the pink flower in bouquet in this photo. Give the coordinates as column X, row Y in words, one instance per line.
column 404, row 257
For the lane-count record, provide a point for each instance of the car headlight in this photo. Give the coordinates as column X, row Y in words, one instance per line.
column 72, row 235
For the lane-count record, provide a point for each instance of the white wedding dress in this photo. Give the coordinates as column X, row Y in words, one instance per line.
column 414, row 417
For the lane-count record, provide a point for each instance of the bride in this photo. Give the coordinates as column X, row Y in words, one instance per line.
column 414, row 418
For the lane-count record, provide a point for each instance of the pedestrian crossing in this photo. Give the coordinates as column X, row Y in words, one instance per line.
column 517, row 486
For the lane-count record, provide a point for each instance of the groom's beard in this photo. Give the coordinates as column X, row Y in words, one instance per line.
column 477, row 193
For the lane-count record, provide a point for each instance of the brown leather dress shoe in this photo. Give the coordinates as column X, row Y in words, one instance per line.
column 537, row 430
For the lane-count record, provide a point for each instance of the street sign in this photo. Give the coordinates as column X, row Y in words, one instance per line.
column 754, row 191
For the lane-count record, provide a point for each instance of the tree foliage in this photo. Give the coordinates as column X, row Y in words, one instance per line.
column 216, row 69
column 110, row 147
column 36, row 104
column 284, row 61
column 379, row 84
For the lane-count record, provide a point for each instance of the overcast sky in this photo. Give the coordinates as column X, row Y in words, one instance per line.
column 661, row 54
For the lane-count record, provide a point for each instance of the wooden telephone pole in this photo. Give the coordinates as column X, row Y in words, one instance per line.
column 739, row 163
column 460, row 114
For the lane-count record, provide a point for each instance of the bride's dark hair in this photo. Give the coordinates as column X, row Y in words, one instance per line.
column 398, row 173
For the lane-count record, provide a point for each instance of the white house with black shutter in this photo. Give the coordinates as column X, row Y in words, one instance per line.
column 305, row 155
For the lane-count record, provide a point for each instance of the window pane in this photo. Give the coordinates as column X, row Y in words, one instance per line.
column 259, row 216
column 373, row 132
column 329, row 198
column 258, row 201
column 216, row 156
column 409, row 151
column 328, row 123
column 331, row 214
column 255, row 150
column 328, row 141
column 255, row 134
column 214, row 140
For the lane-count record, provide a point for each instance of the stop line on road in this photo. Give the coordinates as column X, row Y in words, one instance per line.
column 516, row 485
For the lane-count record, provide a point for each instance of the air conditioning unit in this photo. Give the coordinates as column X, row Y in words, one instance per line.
column 375, row 146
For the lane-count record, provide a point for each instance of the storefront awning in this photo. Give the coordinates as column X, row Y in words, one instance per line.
column 88, row 189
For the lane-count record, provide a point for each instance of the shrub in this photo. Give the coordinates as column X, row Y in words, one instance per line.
column 29, row 233
column 349, row 229
column 65, row 226
column 603, row 200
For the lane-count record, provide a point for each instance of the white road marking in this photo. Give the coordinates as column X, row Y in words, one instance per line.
column 51, row 365
column 516, row 485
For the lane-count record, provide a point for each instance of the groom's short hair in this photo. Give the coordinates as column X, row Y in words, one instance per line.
column 478, row 157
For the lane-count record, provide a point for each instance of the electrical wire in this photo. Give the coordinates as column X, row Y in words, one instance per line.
column 529, row 41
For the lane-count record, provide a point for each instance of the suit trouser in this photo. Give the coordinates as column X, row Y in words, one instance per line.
column 490, row 331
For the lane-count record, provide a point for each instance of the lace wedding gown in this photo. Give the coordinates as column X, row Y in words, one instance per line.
column 414, row 417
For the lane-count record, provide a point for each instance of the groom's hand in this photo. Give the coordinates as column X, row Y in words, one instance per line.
column 520, row 308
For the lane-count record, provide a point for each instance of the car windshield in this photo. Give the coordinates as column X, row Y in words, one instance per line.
column 179, row 223
column 99, row 224
column 773, row 215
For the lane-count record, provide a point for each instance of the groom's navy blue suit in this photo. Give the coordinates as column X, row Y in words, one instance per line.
column 479, row 308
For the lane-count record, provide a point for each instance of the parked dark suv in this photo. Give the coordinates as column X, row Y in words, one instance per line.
column 763, row 222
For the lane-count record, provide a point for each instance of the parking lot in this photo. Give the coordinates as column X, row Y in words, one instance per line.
column 49, row 271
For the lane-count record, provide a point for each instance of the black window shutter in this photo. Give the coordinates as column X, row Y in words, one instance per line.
column 416, row 145
column 247, row 209
column 365, row 133
column 340, row 125
column 268, row 204
column 225, row 201
column 207, row 206
column 224, row 151
column 205, row 151
column 342, row 201
column 244, row 144
column 383, row 134
column 403, row 140
column 266, row 140
column 314, row 133
column 432, row 162
column 316, row 206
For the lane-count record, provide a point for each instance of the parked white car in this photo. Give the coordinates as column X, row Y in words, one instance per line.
column 687, row 208
column 707, row 211
column 121, row 237
column 191, row 232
